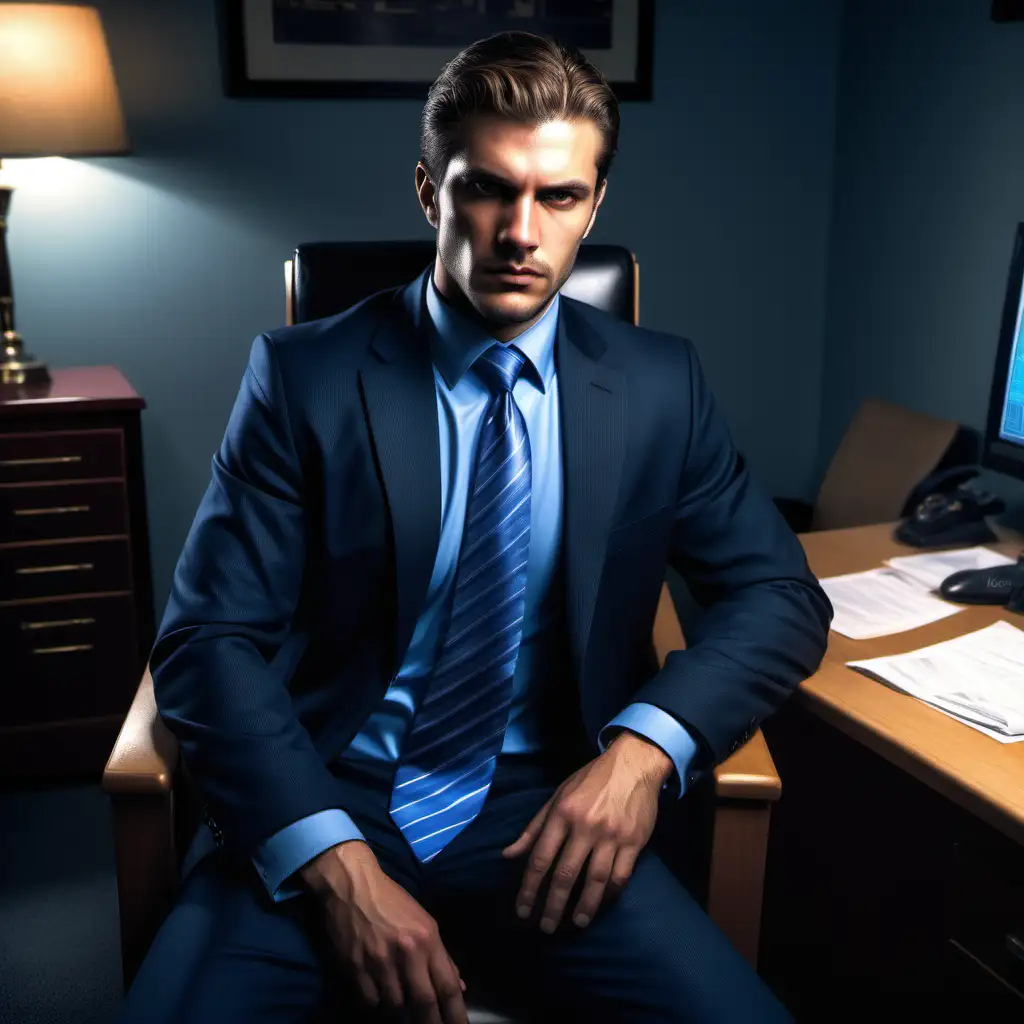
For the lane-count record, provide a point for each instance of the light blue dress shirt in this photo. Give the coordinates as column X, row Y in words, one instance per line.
column 462, row 398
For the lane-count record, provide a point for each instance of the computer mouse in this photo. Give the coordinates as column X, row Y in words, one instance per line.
column 984, row 586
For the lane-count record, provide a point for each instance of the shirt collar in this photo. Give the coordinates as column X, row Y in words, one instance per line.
column 460, row 341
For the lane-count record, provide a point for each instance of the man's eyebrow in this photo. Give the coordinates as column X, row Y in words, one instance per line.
column 573, row 185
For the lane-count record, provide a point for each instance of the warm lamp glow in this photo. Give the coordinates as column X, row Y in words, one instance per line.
column 51, row 177
column 58, row 96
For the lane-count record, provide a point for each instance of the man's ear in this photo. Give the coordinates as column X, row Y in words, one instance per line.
column 597, row 202
column 426, row 192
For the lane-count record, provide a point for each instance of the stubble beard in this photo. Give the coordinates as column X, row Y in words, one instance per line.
column 508, row 318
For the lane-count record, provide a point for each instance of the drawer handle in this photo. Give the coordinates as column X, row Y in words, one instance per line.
column 33, row 570
column 50, row 461
column 55, row 623
column 57, row 510
column 62, row 650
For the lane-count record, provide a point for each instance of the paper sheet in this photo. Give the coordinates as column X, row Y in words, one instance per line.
column 932, row 568
column 977, row 678
column 881, row 601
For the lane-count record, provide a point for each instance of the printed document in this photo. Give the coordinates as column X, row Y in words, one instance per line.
column 977, row 678
column 882, row 601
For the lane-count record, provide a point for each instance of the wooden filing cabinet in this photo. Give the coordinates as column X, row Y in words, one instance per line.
column 76, row 605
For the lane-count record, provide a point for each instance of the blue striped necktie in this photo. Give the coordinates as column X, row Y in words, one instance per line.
column 449, row 754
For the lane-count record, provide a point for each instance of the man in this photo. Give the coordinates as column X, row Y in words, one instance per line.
column 406, row 652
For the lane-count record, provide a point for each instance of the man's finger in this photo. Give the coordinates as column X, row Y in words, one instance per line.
column 368, row 987
column 529, row 834
column 419, row 986
column 389, row 984
column 599, row 872
column 567, row 870
column 545, row 849
column 622, row 869
column 449, row 987
column 455, row 968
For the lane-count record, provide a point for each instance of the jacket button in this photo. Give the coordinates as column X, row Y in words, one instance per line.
column 218, row 835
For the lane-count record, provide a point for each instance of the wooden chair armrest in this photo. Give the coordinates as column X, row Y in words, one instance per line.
column 145, row 754
column 139, row 778
column 746, row 786
column 749, row 774
column 667, row 635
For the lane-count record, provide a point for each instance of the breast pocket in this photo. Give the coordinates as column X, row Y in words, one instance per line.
column 638, row 532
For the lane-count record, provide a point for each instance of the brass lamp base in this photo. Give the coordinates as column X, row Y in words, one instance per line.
column 17, row 366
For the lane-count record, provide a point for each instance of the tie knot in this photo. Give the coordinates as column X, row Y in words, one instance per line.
column 500, row 366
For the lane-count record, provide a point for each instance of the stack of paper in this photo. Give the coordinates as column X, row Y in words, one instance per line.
column 899, row 596
column 977, row 678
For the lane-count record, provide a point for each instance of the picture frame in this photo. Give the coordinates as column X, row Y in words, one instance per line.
column 380, row 49
column 1008, row 10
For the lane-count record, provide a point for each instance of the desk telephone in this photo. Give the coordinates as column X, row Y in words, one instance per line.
column 947, row 512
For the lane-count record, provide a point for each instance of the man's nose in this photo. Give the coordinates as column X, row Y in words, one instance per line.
column 520, row 227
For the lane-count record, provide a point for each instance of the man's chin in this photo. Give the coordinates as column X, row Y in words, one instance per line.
column 503, row 309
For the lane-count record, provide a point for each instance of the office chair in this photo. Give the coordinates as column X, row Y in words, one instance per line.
column 717, row 842
column 886, row 452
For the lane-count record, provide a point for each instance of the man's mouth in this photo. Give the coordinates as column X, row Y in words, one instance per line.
column 513, row 274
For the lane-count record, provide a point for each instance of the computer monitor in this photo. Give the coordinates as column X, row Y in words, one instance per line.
column 1004, row 436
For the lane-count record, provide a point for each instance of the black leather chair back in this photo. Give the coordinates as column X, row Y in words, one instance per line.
column 328, row 277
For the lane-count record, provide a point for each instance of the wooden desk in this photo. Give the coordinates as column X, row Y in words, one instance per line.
column 895, row 863
column 980, row 774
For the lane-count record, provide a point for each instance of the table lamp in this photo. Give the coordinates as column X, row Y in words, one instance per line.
column 58, row 97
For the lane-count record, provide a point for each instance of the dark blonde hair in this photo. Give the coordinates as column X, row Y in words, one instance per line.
column 521, row 76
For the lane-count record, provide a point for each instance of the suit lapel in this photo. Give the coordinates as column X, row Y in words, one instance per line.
column 593, row 445
column 401, row 406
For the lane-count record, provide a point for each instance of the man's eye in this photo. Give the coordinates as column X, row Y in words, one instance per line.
column 483, row 188
column 560, row 198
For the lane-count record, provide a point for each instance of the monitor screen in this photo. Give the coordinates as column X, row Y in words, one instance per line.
column 1004, row 437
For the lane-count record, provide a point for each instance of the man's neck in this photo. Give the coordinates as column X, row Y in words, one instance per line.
column 456, row 298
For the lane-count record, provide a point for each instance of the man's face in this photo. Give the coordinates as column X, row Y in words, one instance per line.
column 510, row 214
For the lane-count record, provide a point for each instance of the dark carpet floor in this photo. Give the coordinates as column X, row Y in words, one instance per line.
column 59, row 946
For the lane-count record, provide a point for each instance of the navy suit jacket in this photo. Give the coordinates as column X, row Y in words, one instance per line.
column 302, row 577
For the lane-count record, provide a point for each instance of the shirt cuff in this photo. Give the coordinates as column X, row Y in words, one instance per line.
column 661, row 729
column 278, row 858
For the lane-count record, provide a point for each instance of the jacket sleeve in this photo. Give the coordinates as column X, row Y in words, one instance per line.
column 763, row 626
column 220, row 684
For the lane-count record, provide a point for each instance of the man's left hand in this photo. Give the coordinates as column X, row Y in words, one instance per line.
column 605, row 811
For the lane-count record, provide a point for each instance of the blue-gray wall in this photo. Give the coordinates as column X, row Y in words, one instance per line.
column 929, row 188
column 168, row 262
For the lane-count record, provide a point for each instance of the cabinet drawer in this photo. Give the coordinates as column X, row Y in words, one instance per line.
column 987, row 918
column 61, row 455
column 966, row 976
column 52, row 570
column 56, row 511
column 67, row 659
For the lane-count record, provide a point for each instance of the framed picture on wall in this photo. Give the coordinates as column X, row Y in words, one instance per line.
column 1008, row 10
column 396, row 48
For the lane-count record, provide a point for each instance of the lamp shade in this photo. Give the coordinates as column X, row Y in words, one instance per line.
column 58, row 96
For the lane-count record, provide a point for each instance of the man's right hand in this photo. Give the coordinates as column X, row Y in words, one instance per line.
column 389, row 941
